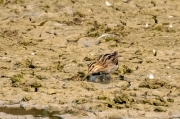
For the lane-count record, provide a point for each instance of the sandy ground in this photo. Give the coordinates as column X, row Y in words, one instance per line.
column 45, row 47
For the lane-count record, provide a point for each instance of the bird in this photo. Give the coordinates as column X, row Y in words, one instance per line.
column 104, row 65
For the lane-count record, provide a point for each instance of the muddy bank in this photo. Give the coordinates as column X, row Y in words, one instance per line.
column 46, row 46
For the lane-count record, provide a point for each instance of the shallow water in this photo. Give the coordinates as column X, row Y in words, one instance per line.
column 32, row 112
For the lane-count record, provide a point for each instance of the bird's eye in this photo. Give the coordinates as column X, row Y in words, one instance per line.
column 109, row 57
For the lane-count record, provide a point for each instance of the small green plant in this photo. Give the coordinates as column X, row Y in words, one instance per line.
column 17, row 80
column 29, row 64
column 27, row 98
column 59, row 65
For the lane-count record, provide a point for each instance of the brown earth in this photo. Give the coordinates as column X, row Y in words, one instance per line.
column 45, row 47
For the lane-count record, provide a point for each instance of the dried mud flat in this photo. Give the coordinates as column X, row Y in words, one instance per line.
column 45, row 47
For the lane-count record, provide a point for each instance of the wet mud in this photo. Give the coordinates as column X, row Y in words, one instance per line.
column 45, row 47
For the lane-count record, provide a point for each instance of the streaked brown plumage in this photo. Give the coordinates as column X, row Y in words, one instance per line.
column 105, row 64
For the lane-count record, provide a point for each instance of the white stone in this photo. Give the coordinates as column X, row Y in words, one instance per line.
column 151, row 76
column 108, row 4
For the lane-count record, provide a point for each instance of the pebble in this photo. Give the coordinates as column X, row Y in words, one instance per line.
column 87, row 42
column 70, row 68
